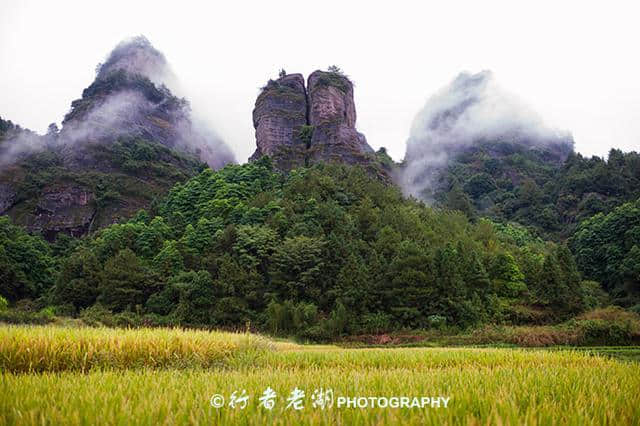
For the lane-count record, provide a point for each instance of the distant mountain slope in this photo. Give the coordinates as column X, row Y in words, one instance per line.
column 130, row 97
column 127, row 140
column 476, row 148
column 527, row 188
column 474, row 115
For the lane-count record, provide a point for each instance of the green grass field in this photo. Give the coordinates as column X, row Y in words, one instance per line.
column 103, row 376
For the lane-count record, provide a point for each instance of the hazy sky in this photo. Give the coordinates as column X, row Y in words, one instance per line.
column 577, row 63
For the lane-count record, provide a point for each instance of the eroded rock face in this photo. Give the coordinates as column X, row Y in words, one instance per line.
column 278, row 117
column 67, row 208
column 332, row 113
column 7, row 197
column 296, row 126
column 331, row 98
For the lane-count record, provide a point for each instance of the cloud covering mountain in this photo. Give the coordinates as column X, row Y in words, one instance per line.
column 133, row 96
column 473, row 111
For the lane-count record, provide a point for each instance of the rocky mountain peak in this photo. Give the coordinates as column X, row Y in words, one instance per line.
column 136, row 56
column 126, row 140
column 298, row 125
column 279, row 117
column 332, row 113
column 129, row 98
column 332, row 95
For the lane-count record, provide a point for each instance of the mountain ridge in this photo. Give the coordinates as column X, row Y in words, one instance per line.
column 125, row 141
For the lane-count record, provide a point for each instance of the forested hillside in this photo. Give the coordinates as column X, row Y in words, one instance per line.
column 45, row 194
column 319, row 252
column 116, row 219
column 549, row 199
column 127, row 140
column 607, row 249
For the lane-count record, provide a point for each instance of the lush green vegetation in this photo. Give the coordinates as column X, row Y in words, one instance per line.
column 513, row 183
column 125, row 176
column 322, row 253
column 121, row 80
column 512, row 386
column 580, row 200
column 607, row 249
column 8, row 130
column 317, row 253
column 26, row 263
column 612, row 326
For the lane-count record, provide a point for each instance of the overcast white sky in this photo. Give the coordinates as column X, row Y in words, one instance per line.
column 577, row 63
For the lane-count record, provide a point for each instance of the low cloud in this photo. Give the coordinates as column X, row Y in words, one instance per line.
column 471, row 109
column 121, row 102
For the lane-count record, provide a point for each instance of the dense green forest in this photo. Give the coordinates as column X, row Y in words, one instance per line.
column 329, row 250
column 550, row 199
column 607, row 249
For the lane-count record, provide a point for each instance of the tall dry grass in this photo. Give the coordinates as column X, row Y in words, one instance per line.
column 33, row 349
column 486, row 386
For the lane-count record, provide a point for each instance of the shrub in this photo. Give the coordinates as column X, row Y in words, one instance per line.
column 97, row 315
column 601, row 332
column 614, row 314
column 279, row 317
column 543, row 336
column 523, row 314
column 436, row 321
column 315, row 333
column 25, row 305
column 305, row 315
column 377, row 322
column 338, row 321
column 65, row 310
column 14, row 316
column 48, row 312
column 593, row 295
column 127, row 319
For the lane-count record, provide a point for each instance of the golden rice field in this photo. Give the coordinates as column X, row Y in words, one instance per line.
column 72, row 376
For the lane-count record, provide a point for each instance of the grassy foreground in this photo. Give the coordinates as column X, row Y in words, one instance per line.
column 33, row 349
column 486, row 386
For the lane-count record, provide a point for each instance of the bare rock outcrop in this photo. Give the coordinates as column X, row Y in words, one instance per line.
column 297, row 126
column 279, row 117
column 69, row 208
column 332, row 113
column 7, row 197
